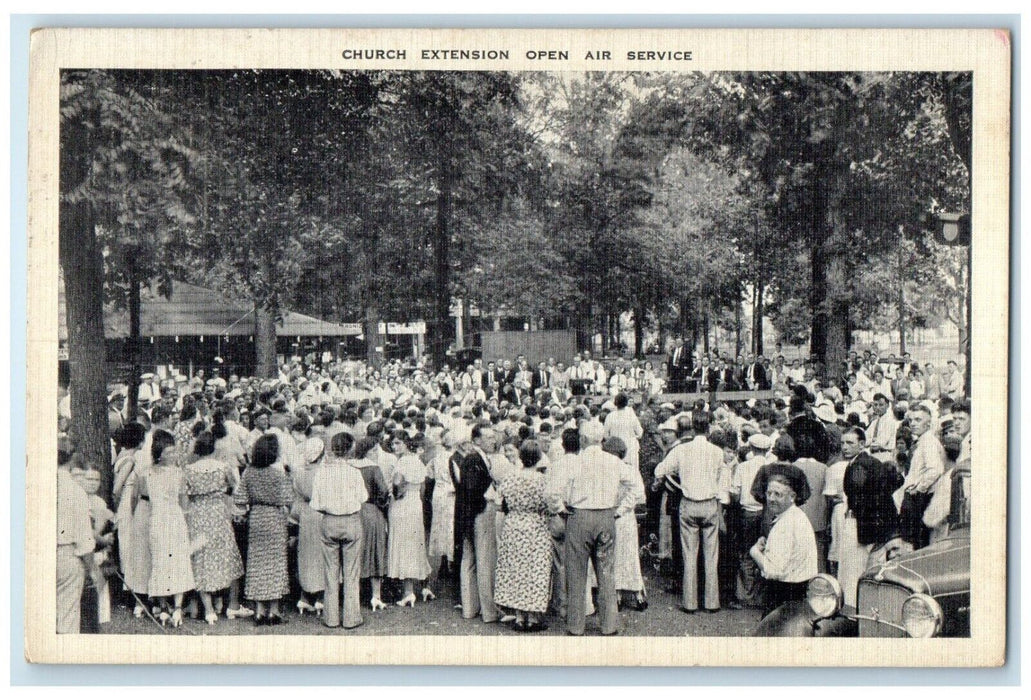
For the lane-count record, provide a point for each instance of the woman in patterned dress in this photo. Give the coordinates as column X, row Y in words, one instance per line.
column 217, row 564
column 523, row 580
column 171, row 573
column 267, row 492
column 406, row 540
column 374, row 519
column 310, row 573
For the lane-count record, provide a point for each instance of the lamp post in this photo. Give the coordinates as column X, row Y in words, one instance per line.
column 954, row 230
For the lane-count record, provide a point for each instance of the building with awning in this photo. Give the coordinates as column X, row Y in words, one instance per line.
column 195, row 325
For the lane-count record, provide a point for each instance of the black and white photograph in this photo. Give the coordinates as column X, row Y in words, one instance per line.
column 640, row 349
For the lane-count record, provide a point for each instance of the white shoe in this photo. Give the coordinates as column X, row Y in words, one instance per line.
column 408, row 600
column 138, row 611
column 239, row 612
column 427, row 594
column 378, row 604
column 304, row 606
column 319, row 607
column 507, row 618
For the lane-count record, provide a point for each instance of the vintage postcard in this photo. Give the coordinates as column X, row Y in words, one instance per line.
column 522, row 347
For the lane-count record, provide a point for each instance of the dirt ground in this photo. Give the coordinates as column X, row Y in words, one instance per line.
column 440, row 617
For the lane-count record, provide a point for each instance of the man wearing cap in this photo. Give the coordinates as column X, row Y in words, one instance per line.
column 595, row 481
column 115, row 410
column 748, row 587
column 698, row 464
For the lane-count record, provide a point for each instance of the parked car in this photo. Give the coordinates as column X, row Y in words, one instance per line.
column 925, row 593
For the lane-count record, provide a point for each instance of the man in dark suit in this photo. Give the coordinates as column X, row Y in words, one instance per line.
column 757, row 377
column 707, row 378
column 678, row 367
column 730, row 377
column 807, row 432
column 475, row 535
column 491, row 380
column 541, row 380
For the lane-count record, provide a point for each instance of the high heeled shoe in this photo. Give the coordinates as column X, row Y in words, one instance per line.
column 378, row 604
column 163, row 617
column 177, row 617
column 319, row 607
column 138, row 611
column 233, row 613
column 304, row 606
column 211, row 618
column 428, row 594
column 408, row 600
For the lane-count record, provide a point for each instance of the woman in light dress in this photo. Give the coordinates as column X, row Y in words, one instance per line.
column 310, row 567
column 623, row 424
column 133, row 551
column 171, row 571
column 441, row 543
column 629, row 581
column 406, row 543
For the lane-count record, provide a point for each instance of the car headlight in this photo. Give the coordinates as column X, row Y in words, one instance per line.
column 824, row 595
column 921, row 616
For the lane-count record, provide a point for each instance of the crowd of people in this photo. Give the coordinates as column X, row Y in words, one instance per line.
column 531, row 494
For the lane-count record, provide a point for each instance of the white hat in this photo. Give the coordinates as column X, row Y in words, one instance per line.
column 670, row 424
column 760, row 442
column 825, row 412
column 147, row 376
column 667, row 406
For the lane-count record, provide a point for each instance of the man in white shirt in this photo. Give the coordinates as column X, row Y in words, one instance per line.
column 75, row 542
column 787, row 558
column 556, row 482
column 338, row 492
column 747, row 587
column 925, row 467
column 592, row 498
column 698, row 464
column 880, row 433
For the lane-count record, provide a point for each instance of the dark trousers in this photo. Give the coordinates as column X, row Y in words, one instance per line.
column 749, row 579
column 591, row 537
column 911, row 519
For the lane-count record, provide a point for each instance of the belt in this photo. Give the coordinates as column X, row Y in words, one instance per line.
column 337, row 515
column 590, row 510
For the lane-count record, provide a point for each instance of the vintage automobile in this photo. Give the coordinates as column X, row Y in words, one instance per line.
column 925, row 593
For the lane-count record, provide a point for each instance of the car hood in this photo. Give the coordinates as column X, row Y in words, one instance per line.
column 938, row 569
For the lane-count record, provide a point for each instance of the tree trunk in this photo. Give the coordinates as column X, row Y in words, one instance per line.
column 639, row 332
column 442, row 263
column 135, row 343
column 829, row 290
column 373, row 340
column 737, row 328
column 83, row 266
column 705, row 327
column 758, row 309
column 265, row 342
column 830, row 312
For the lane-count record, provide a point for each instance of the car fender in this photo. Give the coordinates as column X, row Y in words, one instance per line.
column 792, row 619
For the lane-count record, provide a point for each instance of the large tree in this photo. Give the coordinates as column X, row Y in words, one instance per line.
column 123, row 171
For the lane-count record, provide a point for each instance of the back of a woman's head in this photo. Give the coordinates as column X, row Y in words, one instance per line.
column 130, row 436
column 204, row 445
column 218, row 424
column 784, row 448
column 529, row 453
column 341, row 444
column 161, row 441
column 363, row 447
column 265, row 451
column 621, row 400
